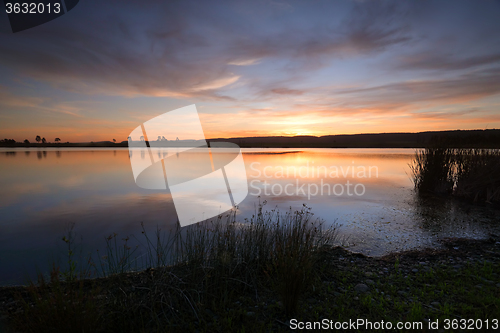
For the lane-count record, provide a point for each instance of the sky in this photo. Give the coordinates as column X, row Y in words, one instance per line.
column 253, row 68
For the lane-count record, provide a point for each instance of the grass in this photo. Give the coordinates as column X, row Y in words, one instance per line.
column 58, row 306
column 466, row 173
column 257, row 276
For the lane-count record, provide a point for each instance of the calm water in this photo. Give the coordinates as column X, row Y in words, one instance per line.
column 367, row 191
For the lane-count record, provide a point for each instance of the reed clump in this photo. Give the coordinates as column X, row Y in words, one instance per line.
column 271, row 250
column 462, row 172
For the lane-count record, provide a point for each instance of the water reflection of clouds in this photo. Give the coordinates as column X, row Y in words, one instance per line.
column 12, row 193
column 36, row 236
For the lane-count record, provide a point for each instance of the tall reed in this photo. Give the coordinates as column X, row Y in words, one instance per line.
column 463, row 172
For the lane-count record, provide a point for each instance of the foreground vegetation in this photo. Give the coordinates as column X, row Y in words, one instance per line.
column 258, row 277
column 472, row 174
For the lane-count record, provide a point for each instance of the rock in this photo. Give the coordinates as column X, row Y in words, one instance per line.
column 361, row 288
column 250, row 314
column 368, row 281
column 414, row 270
column 403, row 293
column 436, row 304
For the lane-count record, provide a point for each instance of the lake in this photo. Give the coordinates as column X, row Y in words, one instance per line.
column 368, row 192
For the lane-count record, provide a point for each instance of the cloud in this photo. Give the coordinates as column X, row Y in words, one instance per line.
column 446, row 115
column 244, row 62
column 457, row 89
column 7, row 99
column 183, row 50
column 286, row 91
column 432, row 61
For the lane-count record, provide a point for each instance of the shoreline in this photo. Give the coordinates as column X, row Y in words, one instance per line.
column 436, row 282
column 442, row 249
column 258, row 146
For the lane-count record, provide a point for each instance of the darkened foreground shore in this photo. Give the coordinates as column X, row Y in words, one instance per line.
column 454, row 139
column 460, row 281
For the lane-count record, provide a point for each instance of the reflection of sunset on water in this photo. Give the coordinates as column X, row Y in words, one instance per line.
column 44, row 190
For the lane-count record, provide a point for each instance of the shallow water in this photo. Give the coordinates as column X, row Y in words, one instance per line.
column 367, row 191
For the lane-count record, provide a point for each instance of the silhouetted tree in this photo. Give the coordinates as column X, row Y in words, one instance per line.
column 159, row 138
column 38, row 138
column 43, row 140
column 114, row 140
column 142, row 138
column 26, row 141
column 57, row 140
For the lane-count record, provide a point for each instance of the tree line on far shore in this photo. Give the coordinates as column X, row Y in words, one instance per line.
column 38, row 139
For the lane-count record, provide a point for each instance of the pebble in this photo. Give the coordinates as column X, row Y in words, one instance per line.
column 361, row 288
column 368, row 281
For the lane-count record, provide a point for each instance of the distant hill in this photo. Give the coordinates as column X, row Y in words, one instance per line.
column 458, row 138
column 470, row 138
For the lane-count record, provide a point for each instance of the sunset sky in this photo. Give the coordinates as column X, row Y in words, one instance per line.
column 253, row 68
